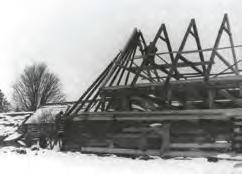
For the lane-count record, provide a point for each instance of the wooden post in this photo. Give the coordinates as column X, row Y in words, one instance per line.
column 125, row 106
column 169, row 96
column 211, row 96
column 165, row 136
column 240, row 90
column 163, row 131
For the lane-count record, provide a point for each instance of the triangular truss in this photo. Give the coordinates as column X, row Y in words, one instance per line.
column 224, row 28
column 143, row 75
column 198, row 67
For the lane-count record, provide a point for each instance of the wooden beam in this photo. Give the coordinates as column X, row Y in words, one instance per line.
column 193, row 51
column 168, row 44
column 118, row 68
column 232, row 44
column 195, row 153
column 226, row 62
column 93, row 86
column 129, row 56
column 231, row 81
column 200, row 146
column 182, row 64
column 198, row 43
column 192, row 26
column 194, row 114
column 106, row 150
column 190, row 64
column 130, row 65
column 136, row 152
column 141, row 75
column 234, row 99
column 211, row 98
column 113, row 68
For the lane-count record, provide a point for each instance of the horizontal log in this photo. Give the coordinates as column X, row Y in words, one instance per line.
column 201, row 146
column 136, row 152
column 234, row 111
column 218, row 81
column 135, row 129
column 152, row 118
column 196, row 114
column 188, row 51
column 189, row 139
column 194, row 154
column 123, row 151
column 238, row 138
column 186, row 131
column 238, row 123
column 237, row 130
column 132, row 135
column 155, row 66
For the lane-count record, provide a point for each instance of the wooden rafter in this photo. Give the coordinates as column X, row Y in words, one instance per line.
column 224, row 28
column 135, row 71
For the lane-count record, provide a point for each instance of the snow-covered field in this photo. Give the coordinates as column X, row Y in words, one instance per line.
column 44, row 161
column 39, row 161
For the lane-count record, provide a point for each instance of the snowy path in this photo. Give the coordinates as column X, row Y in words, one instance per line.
column 44, row 162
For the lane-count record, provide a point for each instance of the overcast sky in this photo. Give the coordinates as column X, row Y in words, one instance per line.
column 77, row 38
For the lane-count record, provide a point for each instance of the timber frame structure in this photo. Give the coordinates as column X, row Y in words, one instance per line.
column 153, row 100
column 144, row 75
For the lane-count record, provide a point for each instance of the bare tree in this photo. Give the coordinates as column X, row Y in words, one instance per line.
column 36, row 87
column 4, row 104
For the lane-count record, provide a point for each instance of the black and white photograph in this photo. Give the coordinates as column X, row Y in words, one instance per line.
column 121, row 86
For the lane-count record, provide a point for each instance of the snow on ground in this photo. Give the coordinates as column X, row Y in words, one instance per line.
column 26, row 161
column 44, row 161
column 9, row 124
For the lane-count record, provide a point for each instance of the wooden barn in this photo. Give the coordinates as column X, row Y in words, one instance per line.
column 152, row 100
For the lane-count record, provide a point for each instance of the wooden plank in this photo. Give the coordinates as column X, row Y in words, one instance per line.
column 201, row 146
